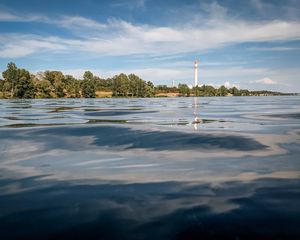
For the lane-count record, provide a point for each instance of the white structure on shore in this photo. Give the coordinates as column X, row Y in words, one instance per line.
column 196, row 72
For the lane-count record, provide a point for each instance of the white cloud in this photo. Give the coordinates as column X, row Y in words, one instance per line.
column 79, row 22
column 116, row 37
column 279, row 49
column 266, row 80
column 130, row 4
column 232, row 72
column 123, row 38
column 227, row 84
column 6, row 16
column 15, row 45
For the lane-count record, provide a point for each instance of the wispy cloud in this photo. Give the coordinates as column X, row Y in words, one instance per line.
column 131, row 4
column 266, row 80
column 9, row 16
column 276, row 49
column 78, row 22
column 289, row 9
column 117, row 37
column 228, row 84
column 16, row 45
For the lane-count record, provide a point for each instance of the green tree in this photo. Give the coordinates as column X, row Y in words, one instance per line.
column 72, row 86
column 235, row 92
column 197, row 91
column 184, row 90
column 11, row 76
column 223, row 91
column 135, row 85
column 56, row 78
column 19, row 82
column 24, row 87
column 244, row 92
column 208, row 91
column 88, row 89
column 5, row 88
column 120, row 85
column 88, row 76
column 161, row 88
column 150, row 91
column 1, row 84
column 43, row 89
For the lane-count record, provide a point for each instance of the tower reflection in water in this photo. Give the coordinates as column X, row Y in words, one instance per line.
column 196, row 113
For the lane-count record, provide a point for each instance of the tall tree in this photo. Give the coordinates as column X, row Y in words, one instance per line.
column 11, row 76
column 121, row 85
column 197, row 91
column 150, row 91
column 235, row 91
column 72, row 86
column 88, row 76
column 24, row 87
column 209, row 91
column 88, row 85
column 56, row 78
column 43, row 89
column 184, row 90
column 223, row 91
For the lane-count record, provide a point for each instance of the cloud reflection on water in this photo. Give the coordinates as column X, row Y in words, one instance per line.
column 168, row 210
column 137, row 169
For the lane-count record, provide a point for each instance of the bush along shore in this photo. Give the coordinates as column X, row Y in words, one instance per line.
column 20, row 83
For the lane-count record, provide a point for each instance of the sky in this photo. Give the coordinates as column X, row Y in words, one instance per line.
column 251, row 44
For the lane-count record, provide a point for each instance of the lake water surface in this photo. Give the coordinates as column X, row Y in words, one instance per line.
column 160, row 168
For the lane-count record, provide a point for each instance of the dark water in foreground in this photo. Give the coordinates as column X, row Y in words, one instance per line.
column 184, row 168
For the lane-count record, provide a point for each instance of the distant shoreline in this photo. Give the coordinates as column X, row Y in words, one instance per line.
column 167, row 95
column 109, row 94
column 19, row 83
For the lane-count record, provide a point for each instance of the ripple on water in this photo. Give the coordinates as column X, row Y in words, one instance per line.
column 141, row 169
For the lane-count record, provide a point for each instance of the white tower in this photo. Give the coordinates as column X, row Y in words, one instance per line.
column 196, row 72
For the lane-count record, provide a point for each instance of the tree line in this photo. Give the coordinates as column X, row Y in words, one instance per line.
column 20, row 83
column 210, row 91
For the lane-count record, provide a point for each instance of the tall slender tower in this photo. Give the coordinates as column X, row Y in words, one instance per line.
column 196, row 72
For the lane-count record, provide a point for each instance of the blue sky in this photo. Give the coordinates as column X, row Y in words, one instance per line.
column 252, row 44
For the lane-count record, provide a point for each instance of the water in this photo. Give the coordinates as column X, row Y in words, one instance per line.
column 175, row 168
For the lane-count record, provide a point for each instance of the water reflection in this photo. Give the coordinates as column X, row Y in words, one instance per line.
column 264, row 209
column 130, row 138
column 179, row 168
column 197, row 120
